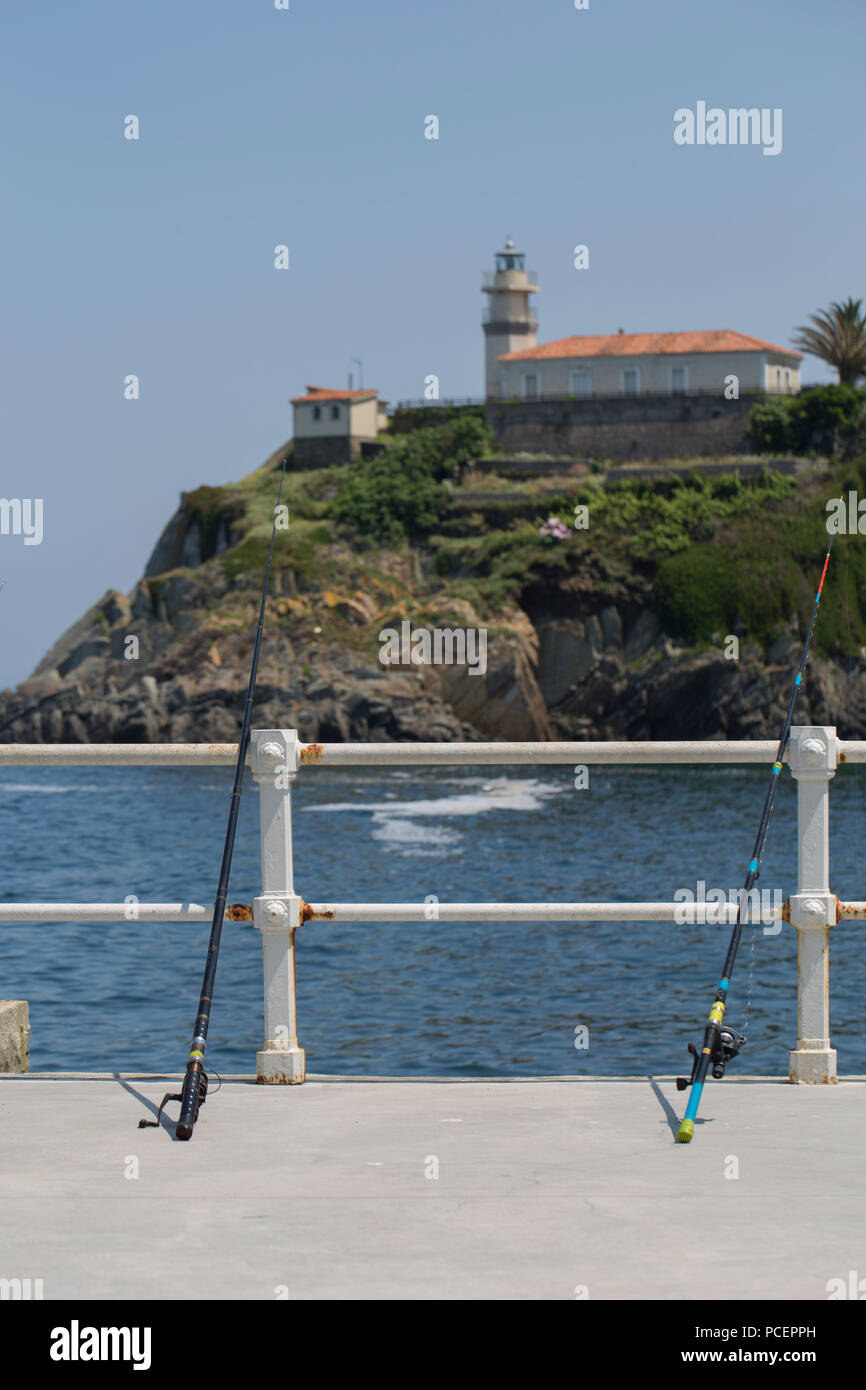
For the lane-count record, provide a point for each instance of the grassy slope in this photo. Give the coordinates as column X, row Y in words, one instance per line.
column 714, row 556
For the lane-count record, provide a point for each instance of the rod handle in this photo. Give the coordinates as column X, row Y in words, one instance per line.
column 189, row 1101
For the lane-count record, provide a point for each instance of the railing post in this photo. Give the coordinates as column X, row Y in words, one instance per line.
column 813, row 757
column 275, row 758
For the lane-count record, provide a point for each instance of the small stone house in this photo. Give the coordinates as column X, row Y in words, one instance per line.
column 331, row 426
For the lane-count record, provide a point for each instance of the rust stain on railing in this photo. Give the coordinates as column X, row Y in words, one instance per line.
column 848, row 911
column 312, row 752
column 239, row 912
column 309, row 913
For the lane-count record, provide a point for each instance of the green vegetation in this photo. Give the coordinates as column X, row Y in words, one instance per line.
column 635, row 530
column 712, row 555
column 431, row 416
column 390, row 499
column 293, row 550
column 758, row 577
column 654, row 518
column 399, row 495
column 728, row 589
column 837, row 336
column 212, row 508
column 821, row 419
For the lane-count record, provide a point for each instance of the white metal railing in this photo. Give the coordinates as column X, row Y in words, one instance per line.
column 641, row 753
column 277, row 756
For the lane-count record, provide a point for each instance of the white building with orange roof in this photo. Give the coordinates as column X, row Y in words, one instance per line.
column 331, row 426
column 632, row 364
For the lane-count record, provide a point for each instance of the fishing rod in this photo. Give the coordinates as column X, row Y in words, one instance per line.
column 721, row 1042
column 194, row 1092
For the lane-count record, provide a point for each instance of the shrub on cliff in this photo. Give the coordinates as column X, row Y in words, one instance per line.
column 447, row 449
column 425, row 417
column 390, row 498
column 825, row 419
column 745, row 586
column 770, row 428
column 400, row 494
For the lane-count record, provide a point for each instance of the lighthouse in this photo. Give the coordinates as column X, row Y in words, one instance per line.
column 509, row 325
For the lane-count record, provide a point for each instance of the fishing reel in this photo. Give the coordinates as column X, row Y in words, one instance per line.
column 727, row 1043
column 200, row 1100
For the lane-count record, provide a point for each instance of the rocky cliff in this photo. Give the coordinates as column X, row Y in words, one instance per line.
column 586, row 635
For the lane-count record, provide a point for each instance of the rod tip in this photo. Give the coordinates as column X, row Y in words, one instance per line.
column 685, row 1132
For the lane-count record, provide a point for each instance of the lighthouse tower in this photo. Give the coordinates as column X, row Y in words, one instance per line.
column 509, row 325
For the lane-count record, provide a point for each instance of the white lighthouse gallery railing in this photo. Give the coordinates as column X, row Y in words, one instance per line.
column 276, row 759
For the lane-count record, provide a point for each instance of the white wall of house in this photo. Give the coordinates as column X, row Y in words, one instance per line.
column 781, row 375
column 365, row 418
column 316, row 420
column 325, row 419
column 662, row 373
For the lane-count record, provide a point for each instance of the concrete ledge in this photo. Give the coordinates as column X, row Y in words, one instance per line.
column 14, row 1035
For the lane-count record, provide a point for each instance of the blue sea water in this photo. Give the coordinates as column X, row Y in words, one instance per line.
column 501, row 999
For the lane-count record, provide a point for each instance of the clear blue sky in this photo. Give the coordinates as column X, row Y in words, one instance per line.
column 306, row 127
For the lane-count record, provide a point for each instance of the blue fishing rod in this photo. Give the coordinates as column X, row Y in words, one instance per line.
column 722, row 1042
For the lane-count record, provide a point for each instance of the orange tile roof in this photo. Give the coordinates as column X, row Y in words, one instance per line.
column 647, row 344
column 325, row 393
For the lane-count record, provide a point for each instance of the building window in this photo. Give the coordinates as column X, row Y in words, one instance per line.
column 530, row 388
column 630, row 381
column 787, row 381
column 317, row 412
column 778, row 378
column 580, row 382
column 503, row 382
column 678, row 381
column 335, row 412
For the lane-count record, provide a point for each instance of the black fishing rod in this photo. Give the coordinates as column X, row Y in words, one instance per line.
column 194, row 1092
column 721, row 1043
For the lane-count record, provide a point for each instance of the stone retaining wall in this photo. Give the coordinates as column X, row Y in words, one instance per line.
column 623, row 428
column 324, row 452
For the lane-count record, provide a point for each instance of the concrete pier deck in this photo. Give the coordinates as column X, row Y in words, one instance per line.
column 545, row 1188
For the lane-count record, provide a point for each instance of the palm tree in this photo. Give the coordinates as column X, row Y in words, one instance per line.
column 838, row 337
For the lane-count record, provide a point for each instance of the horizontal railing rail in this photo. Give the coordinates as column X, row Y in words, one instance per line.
column 692, row 914
column 118, row 754
column 635, row 753
column 684, row 914
column 277, row 756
